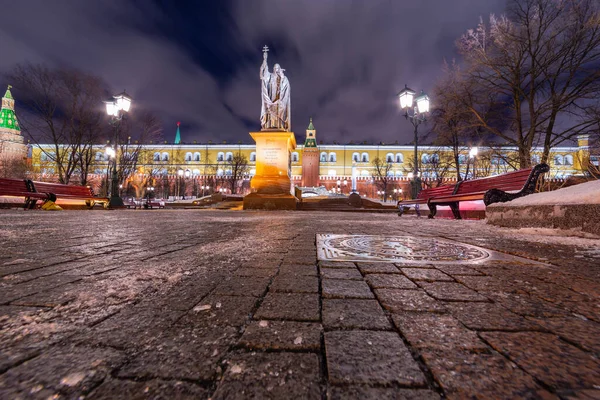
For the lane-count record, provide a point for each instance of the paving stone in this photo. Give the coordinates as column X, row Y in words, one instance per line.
column 48, row 298
column 270, row 376
column 259, row 264
column 296, row 284
column 153, row 389
column 390, row 281
column 451, row 291
column 130, row 328
column 453, row 270
column 526, row 305
column 426, row 274
column 585, row 394
column 61, row 371
column 217, row 310
column 547, row 358
column 480, row 283
column 377, row 268
column 336, row 264
column 444, row 332
column 588, row 309
column 282, row 335
column 584, row 333
column 291, row 306
column 377, row 393
column 243, row 286
column 396, row 300
column 490, row 317
column 14, row 292
column 341, row 273
column 188, row 352
column 354, row 314
column 345, row 289
column 256, row 272
column 308, row 260
column 370, row 357
column 298, row 270
column 480, row 375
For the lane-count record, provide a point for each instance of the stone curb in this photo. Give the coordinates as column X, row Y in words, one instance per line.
column 583, row 217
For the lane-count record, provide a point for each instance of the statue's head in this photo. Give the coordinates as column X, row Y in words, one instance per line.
column 277, row 69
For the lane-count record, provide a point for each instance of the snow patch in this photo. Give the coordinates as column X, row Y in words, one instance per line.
column 584, row 193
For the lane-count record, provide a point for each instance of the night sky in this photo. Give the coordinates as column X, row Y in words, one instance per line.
column 197, row 61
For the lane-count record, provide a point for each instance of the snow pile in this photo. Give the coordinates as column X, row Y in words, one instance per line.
column 584, row 193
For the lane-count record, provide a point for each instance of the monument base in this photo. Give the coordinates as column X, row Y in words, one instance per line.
column 256, row 201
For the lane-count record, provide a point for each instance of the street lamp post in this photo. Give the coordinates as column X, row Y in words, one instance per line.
column 473, row 154
column 115, row 108
column 148, row 191
column 416, row 115
column 110, row 153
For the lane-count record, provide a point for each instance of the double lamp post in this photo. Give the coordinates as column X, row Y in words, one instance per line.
column 115, row 108
column 415, row 110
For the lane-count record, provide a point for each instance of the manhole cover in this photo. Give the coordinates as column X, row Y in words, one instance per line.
column 399, row 249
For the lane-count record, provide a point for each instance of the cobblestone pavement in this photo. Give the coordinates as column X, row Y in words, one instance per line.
column 232, row 305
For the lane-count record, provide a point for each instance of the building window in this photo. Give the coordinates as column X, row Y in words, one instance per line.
column 355, row 157
column 364, row 172
column 221, row 156
column 219, row 172
column 156, row 157
column 568, row 159
column 425, row 158
column 229, row 156
column 331, row 172
column 399, row 158
column 365, row 157
column 294, row 157
column 188, row 156
column 165, row 156
column 323, row 157
column 389, row 158
column 253, row 156
column 558, row 160
column 195, row 172
column 332, row 157
column 535, row 159
column 99, row 156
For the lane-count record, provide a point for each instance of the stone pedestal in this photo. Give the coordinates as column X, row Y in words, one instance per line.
column 271, row 185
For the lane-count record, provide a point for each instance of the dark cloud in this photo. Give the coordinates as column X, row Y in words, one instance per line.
column 346, row 60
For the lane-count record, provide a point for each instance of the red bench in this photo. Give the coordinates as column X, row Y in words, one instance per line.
column 493, row 189
column 23, row 188
column 422, row 198
column 71, row 192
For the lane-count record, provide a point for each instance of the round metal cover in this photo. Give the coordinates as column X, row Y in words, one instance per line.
column 400, row 249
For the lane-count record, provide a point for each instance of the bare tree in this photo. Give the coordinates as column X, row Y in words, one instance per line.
column 11, row 166
column 381, row 174
column 235, row 170
column 540, row 63
column 147, row 127
column 61, row 107
column 452, row 120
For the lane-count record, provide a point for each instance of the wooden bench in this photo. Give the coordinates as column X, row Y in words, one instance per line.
column 23, row 188
column 422, row 198
column 71, row 192
column 153, row 203
column 130, row 203
column 493, row 189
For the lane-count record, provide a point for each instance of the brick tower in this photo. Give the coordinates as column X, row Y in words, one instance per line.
column 310, row 158
column 12, row 145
